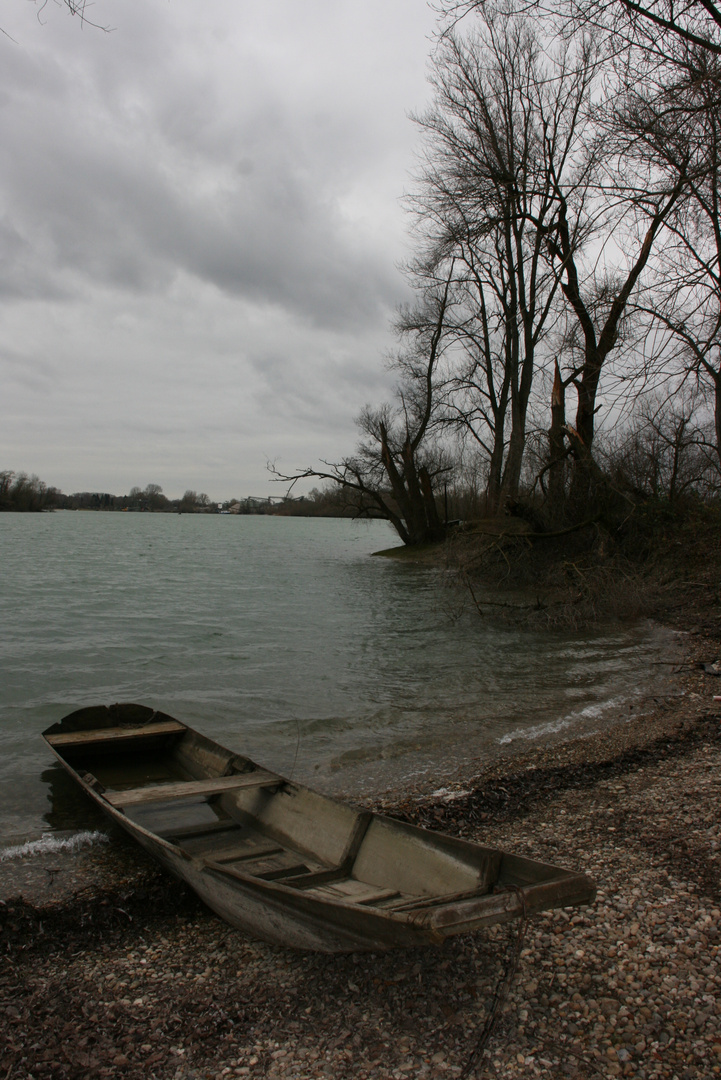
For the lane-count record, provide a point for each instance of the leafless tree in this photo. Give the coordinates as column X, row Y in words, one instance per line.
column 21, row 492
column 672, row 121
column 395, row 471
column 632, row 209
column 666, row 453
column 657, row 115
column 80, row 9
column 627, row 23
column 504, row 136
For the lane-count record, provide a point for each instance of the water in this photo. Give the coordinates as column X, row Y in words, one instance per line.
column 281, row 638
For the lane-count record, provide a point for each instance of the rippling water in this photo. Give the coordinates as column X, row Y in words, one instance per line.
column 281, row 638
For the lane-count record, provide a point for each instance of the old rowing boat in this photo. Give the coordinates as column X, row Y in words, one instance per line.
column 286, row 863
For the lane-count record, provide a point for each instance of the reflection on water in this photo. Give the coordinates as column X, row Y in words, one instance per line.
column 69, row 807
column 281, row 639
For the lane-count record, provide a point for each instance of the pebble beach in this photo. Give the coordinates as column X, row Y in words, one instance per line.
column 111, row 969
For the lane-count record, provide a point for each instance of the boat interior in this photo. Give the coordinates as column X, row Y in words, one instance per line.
column 239, row 820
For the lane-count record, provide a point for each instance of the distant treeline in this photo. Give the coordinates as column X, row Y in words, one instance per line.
column 20, row 492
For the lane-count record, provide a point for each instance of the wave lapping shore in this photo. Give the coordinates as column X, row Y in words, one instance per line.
column 131, row 977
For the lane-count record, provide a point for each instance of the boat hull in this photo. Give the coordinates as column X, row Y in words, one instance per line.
column 282, row 862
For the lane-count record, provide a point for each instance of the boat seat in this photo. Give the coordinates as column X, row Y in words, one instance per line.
column 418, row 902
column 245, row 853
column 347, row 890
column 200, row 832
column 352, row 891
column 319, row 877
column 268, row 863
column 115, row 734
column 185, row 789
column 310, row 879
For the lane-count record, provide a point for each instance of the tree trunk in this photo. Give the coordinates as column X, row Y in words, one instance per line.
column 717, row 413
column 433, row 521
column 556, row 452
column 495, row 472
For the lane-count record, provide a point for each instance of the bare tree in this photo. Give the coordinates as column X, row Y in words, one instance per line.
column 505, row 131
column 627, row 22
column 666, row 453
column 657, row 119
column 633, row 211
column 21, row 492
column 672, row 122
column 78, row 8
column 395, row 470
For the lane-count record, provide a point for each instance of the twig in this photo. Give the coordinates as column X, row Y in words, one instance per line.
column 508, row 564
column 504, row 985
column 563, row 1050
column 562, row 532
column 500, row 603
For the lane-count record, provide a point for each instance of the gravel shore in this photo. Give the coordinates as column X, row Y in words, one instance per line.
column 117, row 971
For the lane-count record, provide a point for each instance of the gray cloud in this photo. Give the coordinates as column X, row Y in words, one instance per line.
column 200, row 209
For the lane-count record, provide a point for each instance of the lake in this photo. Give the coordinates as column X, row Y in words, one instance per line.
column 281, row 638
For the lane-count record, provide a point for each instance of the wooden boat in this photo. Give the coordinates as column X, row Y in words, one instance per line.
column 283, row 862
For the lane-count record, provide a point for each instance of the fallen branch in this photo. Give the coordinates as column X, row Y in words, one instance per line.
column 538, row 606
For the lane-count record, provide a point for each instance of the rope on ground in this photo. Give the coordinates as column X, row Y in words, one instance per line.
column 502, row 988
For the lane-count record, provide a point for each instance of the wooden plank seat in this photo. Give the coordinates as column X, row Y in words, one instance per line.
column 375, row 897
column 205, row 831
column 419, row 902
column 360, row 893
column 266, row 867
column 245, row 853
column 394, row 900
column 185, row 789
column 116, row 734
column 283, row 872
column 319, row 877
column 346, row 889
column 351, row 891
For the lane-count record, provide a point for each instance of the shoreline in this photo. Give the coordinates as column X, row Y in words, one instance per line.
column 119, row 972
column 51, row 874
column 361, row 765
column 512, row 773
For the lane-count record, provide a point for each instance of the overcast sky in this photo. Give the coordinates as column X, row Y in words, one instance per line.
column 201, row 227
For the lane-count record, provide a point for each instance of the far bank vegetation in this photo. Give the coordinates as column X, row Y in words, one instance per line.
column 21, row 493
